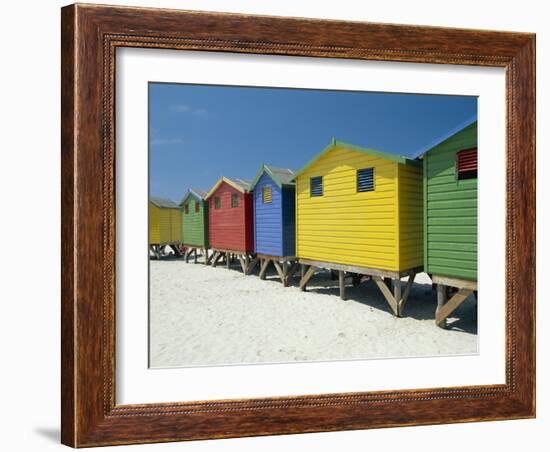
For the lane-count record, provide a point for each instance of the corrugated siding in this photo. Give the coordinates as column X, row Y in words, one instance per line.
column 411, row 217
column 231, row 228
column 289, row 221
column 194, row 225
column 164, row 225
column 451, row 210
column 268, row 232
column 344, row 226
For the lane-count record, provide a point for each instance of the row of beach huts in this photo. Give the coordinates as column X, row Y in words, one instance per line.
column 352, row 210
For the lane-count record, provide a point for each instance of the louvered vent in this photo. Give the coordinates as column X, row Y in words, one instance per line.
column 234, row 200
column 466, row 164
column 316, row 186
column 365, row 179
column 197, row 207
column 217, row 202
column 267, row 196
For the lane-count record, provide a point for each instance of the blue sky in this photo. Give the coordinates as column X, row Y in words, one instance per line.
column 198, row 133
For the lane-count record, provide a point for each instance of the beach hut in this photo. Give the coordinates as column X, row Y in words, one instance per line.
column 195, row 224
column 231, row 222
column 359, row 212
column 274, row 221
column 450, row 217
column 164, row 226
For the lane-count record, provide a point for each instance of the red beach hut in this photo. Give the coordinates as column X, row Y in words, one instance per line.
column 231, row 222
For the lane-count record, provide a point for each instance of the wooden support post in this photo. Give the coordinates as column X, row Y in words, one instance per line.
column 209, row 258
column 253, row 264
column 195, row 253
column 441, row 300
column 228, row 260
column 302, row 270
column 217, row 257
column 263, row 269
column 341, row 280
column 187, row 251
column 307, row 276
column 397, row 295
column 408, row 288
column 446, row 309
column 246, row 263
column 279, row 270
column 285, row 273
column 243, row 265
column 293, row 270
column 387, row 293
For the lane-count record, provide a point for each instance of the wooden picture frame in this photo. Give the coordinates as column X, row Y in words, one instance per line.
column 90, row 36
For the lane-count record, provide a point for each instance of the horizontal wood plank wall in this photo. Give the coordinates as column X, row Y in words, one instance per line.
column 411, row 217
column 164, row 225
column 289, row 221
column 268, row 218
column 195, row 224
column 344, row 226
column 231, row 228
column 451, row 210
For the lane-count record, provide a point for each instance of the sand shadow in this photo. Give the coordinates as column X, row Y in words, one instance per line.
column 421, row 304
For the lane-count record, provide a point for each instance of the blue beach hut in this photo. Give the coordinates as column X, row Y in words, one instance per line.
column 274, row 221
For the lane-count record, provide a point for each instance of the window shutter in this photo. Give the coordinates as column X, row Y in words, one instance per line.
column 267, row 195
column 466, row 164
column 316, row 186
column 365, row 179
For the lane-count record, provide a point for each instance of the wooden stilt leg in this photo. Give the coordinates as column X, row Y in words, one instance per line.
column 307, row 276
column 387, row 293
column 279, row 270
column 444, row 311
column 302, row 270
column 253, row 264
column 341, row 280
column 263, row 269
column 441, row 300
column 195, row 253
column 408, row 288
column 228, row 260
column 285, row 273
column 293, row 270
column 246, row 263
column 397, row 294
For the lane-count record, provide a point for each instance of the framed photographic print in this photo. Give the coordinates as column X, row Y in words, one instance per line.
column 281, row 225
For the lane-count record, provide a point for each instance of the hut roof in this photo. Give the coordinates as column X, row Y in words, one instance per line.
column 334, row 144
column 196, row 193
column 420, row 153
column 243, row 185
column 281, row 176
column 163, row 203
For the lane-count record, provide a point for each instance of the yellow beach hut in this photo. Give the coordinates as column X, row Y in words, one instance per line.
column 359, row 211
column 164, row 225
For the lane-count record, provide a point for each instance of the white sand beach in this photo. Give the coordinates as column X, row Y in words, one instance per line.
column 214, row 316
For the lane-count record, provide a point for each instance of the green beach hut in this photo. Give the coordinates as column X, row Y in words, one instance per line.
column 195, row 224
column 450, row 216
